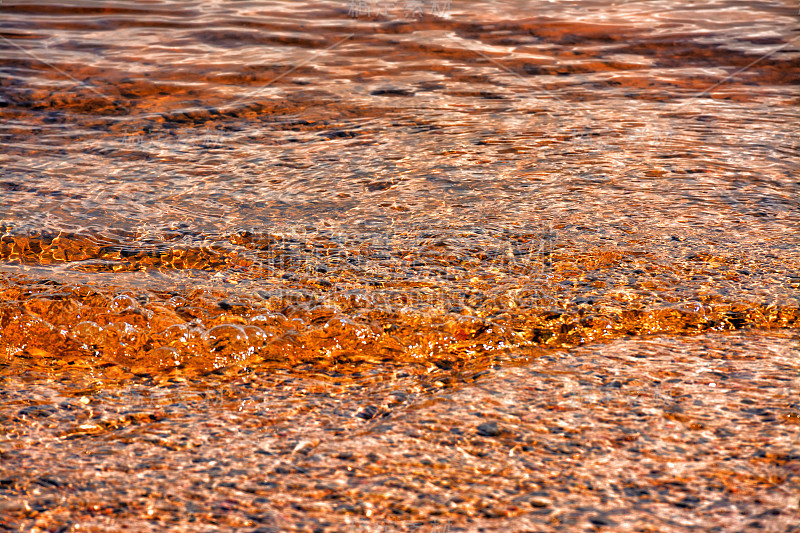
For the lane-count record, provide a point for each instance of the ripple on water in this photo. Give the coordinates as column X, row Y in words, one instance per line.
column 529, row 266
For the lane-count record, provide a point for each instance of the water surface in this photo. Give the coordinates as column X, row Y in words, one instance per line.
column 359, row 217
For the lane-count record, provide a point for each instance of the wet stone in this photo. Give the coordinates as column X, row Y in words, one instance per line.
column 368, row 412
column 489, row 429
column 600, row 520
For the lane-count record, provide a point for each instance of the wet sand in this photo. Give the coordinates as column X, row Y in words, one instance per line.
column 652, row 434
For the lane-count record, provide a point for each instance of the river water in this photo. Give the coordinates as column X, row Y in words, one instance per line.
column 400, row 266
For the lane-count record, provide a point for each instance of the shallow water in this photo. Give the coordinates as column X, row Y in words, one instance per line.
column 315, row 207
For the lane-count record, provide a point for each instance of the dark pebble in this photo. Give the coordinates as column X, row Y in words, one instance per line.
column 368, row 412
column 601, row 521
column 489, row 429
column 688, row 502
column 392, row 91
